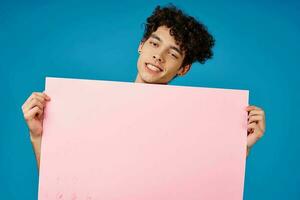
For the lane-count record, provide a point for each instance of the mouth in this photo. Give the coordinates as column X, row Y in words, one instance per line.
column 153, row 68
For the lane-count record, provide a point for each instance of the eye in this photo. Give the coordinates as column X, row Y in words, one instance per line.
column 173, row 55
column 154, row 44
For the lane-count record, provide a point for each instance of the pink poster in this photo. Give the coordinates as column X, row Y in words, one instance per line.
column 107, row 140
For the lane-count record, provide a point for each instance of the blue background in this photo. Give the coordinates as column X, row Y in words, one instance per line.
column 257, row 48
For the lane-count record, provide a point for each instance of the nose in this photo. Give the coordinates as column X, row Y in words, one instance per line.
column 157, row 58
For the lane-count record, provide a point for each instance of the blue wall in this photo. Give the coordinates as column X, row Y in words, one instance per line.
column 257, row 48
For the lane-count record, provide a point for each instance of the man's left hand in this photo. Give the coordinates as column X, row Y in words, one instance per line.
column 256, row 125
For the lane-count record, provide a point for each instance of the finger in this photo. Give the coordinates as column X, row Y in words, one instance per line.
column 27, row 101
column 255, row 118
column 39, row 95
column 34, row 95
column 249, row 108
column 259, row 121
column 252, row 126
column 34, row 102
column 35, row 111
column 39, row 98
column 28, row 105
column 257, row 132
column 46, row 96
column 255, row 112
column 42, row 95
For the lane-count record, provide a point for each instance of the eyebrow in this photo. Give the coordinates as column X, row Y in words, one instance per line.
column 172, row 47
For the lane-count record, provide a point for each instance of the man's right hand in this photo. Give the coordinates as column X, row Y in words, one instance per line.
column 33, row 111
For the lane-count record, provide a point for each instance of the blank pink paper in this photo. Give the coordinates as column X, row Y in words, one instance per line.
column 107, row 140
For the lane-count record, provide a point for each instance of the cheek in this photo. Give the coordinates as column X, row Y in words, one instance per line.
column 170, row 73
column 140, row 61
column 173, row 66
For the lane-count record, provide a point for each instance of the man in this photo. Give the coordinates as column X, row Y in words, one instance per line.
column 172, row 41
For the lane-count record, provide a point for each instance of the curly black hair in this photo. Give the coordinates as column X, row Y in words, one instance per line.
column 191, row 35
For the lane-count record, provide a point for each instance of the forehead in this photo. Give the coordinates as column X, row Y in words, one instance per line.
column 163, row 33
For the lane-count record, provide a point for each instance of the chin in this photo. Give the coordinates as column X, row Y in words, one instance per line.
column 150, row 77
column 149, row 80
column 152, row 81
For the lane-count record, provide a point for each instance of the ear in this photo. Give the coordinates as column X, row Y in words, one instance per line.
column 140, row 46
column 183, row 70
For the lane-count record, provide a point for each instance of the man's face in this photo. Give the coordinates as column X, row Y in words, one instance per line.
column 160, row 58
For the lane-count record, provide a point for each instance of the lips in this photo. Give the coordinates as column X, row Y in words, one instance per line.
column 154, row 67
